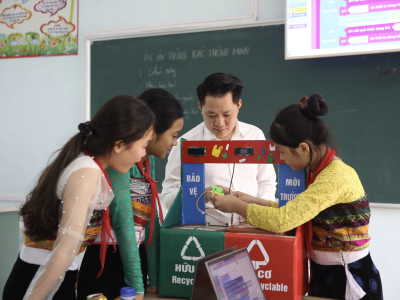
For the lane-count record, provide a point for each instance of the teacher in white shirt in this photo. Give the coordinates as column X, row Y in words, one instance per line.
column 220, row 101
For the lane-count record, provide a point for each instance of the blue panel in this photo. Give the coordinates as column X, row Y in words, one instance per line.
column 193, row 176
column 291, row 183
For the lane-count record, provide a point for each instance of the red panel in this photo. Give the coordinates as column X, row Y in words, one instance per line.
column 301, row 263
column 223, row 152
column 272, row 259
column 279, row 261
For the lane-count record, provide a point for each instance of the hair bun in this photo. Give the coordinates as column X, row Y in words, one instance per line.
column 85, row 128
column 317, row 105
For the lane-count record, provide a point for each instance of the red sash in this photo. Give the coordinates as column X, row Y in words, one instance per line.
column 154, row 198
column 326, row 160
column 105, row 218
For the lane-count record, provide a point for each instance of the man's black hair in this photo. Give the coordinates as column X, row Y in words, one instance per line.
column 218, row 85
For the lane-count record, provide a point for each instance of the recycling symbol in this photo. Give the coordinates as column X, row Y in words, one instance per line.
column 198, row 246
column 258, row 264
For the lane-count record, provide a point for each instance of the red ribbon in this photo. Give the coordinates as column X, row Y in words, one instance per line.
column 105, row 218
column 154, row 198
column 326, row 160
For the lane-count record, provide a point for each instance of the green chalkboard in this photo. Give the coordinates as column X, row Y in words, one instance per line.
column 363, row 114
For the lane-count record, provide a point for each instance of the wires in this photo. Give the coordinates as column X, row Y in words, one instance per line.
column 378, row 75
column 233, row 172
column 197, row 203
column 204, row 213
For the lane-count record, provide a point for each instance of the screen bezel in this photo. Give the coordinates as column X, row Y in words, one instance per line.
column 200, row 148
column 249, row 151
column 223, row 257
column 201, row 270
column 329, row 55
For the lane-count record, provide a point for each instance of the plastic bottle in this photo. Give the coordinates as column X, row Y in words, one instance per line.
column 128, row 293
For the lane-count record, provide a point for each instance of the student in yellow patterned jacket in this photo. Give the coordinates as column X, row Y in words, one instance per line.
column 334, row 207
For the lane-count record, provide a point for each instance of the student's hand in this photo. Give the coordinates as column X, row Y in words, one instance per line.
column 224, row 203
column 245, row 197
column 151, row 289
column 242, row 196
column 250, row 199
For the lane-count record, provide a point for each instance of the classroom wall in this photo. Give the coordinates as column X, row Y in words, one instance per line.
column 9, row 234
column 41, row 102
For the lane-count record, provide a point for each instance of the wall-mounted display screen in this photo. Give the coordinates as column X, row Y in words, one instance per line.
column 320, row 28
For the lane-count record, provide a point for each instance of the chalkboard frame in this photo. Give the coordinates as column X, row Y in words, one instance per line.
column 158, row 30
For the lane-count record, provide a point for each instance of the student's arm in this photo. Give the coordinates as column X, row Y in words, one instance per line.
column 172, row 181
column 328, row 189
column 323, row 193
column 153, row 253
column 248, row 198
column 121, row 214
column 76, row 211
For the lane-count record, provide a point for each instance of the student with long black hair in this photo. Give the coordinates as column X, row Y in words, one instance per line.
column 68, row 207
column 334, row 207
column 134, row 214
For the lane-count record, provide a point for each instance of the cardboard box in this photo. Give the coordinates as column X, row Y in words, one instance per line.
column 280, row 261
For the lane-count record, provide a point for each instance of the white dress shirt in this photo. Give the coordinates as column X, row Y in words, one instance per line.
column 258, row 180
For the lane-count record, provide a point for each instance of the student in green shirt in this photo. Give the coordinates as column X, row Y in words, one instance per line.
column 133, row 213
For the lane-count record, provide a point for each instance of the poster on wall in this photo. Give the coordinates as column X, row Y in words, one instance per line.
column 30, row 28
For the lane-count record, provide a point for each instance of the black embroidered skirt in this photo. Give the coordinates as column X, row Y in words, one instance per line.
column 112, row 279
column 22, row 275
column 330, row 281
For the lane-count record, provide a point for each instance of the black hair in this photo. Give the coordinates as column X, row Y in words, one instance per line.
column 166, row 108
column 218, row 85
column 294, row 125
column 122, row 118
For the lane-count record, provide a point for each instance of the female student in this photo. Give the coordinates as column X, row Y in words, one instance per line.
column 134, row 213
column 334, row 206
column 67, row 208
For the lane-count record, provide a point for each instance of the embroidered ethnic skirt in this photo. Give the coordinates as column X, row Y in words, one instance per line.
column 330, row 281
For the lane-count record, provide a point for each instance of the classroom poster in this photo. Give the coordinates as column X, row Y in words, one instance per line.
column 30, row 28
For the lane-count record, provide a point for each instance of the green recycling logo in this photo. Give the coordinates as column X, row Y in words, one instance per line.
column 198, row 246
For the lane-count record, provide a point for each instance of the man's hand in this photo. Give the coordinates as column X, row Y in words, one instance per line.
column 226, row 190
column 208, row 194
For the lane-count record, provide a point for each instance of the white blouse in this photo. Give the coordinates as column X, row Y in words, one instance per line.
column 82, row 188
